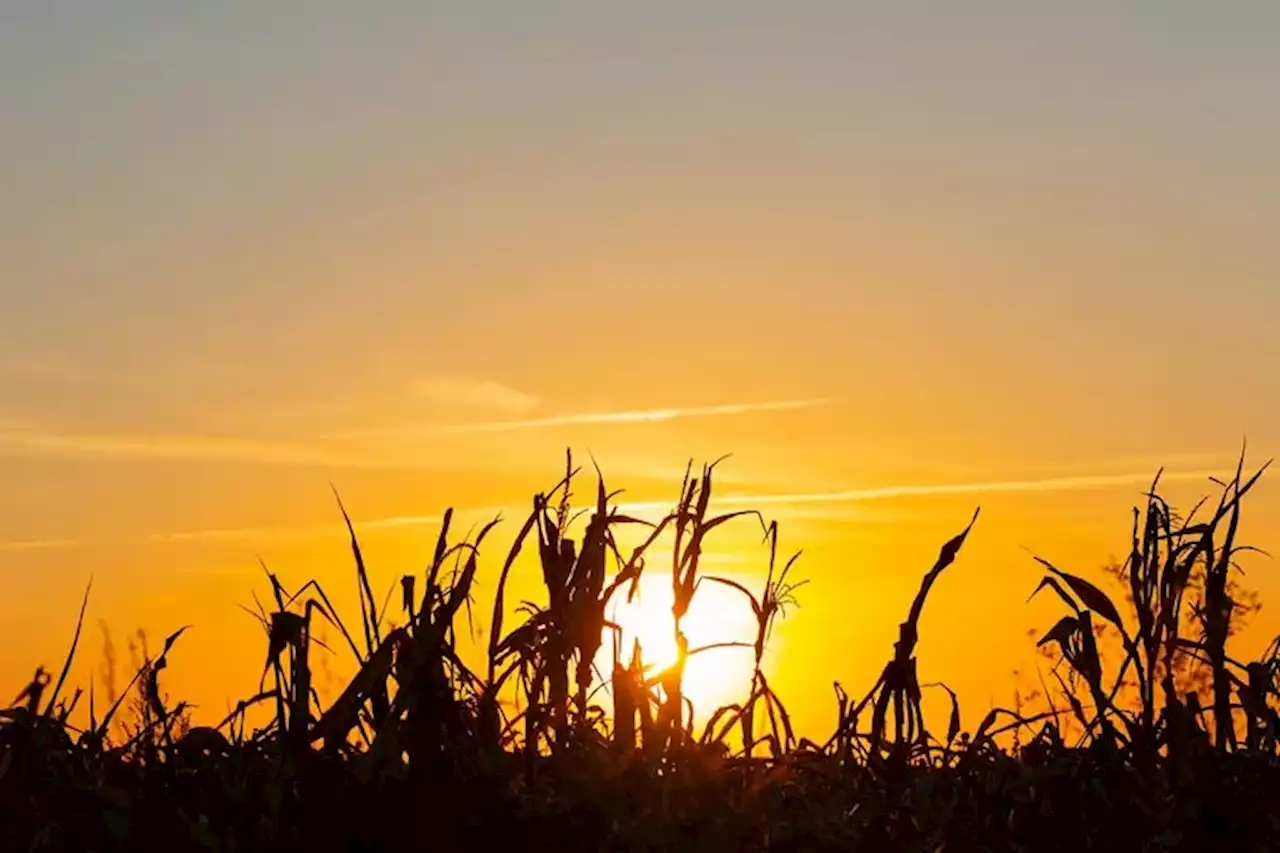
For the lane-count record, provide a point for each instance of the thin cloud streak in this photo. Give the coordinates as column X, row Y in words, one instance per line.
column 638, row 416
column 1048, row 484
column 332, row 529
column 38, row 545
column 400, row 521
column 210, row 535
column 474, row 393
column 163, row 447
column 198, row 448
column 20, row 438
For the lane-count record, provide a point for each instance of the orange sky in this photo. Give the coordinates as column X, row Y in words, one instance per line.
column 899, row 264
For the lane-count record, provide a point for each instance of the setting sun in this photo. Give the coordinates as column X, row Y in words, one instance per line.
column 719, row 615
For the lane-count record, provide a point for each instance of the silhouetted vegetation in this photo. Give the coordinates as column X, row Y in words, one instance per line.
column 1154, row 737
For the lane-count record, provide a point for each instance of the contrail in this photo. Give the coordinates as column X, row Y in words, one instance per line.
column 310, row 530
column 218, row 448
column 181, row 447
column 1048, row 484
column 37, row 545
column 638, row 416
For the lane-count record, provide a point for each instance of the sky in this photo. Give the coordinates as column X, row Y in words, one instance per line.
column 900, row 259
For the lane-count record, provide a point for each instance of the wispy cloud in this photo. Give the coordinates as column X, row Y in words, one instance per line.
column 162, row 447
column 351, row 450
column 334, row 528
column 636, row 416
column 213, row 534
column 37, row 545
column 473, row 393
column 792, row 499
column 1045, row 484
column 751, row 500
column 398, row 521
column 1107, row 465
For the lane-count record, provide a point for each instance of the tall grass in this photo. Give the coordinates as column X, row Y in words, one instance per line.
column 1155, row 737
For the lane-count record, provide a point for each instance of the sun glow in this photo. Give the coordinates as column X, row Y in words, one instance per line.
column 713, row 676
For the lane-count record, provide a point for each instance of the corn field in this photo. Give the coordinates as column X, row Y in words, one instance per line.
column 1153, row 736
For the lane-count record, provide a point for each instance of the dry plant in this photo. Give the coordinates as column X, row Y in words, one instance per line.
column 1177, row 740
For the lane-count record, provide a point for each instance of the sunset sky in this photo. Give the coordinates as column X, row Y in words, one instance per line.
column 900, row 259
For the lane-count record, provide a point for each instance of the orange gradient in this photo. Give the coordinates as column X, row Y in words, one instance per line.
column 898, row 264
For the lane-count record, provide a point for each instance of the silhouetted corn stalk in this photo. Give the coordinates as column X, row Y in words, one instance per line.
column 898, row 685
column 691, row 528
column 415, row 730
column 778, row 594
column 1169, row 559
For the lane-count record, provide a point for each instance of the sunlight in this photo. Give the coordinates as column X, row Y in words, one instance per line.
column 718, row 615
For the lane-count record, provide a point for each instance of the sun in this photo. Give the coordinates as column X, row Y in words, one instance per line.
column 718, row 614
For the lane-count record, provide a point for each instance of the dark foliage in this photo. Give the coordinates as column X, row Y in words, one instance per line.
column 1171, row 746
